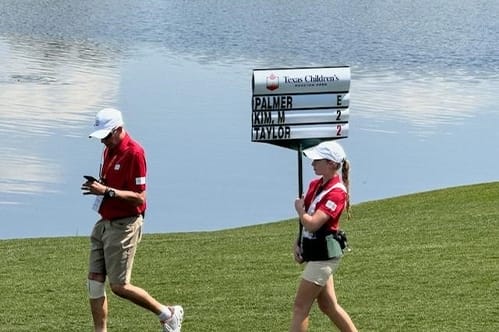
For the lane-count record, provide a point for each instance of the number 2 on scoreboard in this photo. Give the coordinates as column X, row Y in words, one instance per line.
column 338, row 130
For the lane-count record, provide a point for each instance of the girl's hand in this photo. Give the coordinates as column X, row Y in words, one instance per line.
column 300, row 206
column 297, row 254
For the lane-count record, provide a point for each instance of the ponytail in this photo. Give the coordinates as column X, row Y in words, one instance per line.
column 345, row 176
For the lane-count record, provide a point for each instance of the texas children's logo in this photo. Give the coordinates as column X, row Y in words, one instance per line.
column 272, row 82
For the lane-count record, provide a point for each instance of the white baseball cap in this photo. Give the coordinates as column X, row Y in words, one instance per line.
column 106, row 120
column 330, row 150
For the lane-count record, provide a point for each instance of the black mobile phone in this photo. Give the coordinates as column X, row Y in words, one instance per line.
column 90, row 178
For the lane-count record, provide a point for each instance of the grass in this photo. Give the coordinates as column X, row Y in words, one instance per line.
column 422, row 262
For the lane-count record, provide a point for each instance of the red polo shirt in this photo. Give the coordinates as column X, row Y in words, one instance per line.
column 332, row 203
column 124, row 168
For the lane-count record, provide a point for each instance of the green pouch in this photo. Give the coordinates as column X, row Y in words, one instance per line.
column 333, row 247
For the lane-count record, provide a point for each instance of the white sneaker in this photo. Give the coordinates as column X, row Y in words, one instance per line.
column 175, row 322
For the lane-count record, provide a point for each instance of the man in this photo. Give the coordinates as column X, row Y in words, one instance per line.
column 121, row 202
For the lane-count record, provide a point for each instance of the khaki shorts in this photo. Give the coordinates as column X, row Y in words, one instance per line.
column 318, row 272
column 113, row 246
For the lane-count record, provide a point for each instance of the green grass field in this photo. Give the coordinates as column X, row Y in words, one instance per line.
column 422, row 262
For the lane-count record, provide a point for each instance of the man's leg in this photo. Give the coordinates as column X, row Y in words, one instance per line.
column 96, row 280
column 99, row 313
column 138, row 296
column 123, row 238
column 98, row 301
column 170, row 317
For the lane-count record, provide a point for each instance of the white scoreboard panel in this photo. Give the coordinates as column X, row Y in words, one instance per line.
column 300, row 106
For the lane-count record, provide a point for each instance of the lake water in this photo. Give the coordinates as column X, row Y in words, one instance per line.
column 423, row 106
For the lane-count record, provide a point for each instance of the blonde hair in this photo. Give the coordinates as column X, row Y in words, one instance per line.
column 344, row 167
column 345, row 177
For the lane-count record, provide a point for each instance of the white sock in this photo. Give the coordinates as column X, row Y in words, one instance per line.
column 165, row 314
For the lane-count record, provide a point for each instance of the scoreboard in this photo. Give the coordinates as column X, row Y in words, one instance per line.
column 300, row 107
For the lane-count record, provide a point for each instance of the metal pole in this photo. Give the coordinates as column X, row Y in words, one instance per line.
column 300, row 184
column 300, row 171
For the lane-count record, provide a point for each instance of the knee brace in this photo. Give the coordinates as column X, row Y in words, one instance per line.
column 96, row 289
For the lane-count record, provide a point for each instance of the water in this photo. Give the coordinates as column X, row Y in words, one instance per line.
column 424, row 96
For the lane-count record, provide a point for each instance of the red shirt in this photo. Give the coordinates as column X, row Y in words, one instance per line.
column 124, row 168
column 332, row 203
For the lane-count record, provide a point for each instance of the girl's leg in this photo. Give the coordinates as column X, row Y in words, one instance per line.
column 328, row 304
column 305, row 296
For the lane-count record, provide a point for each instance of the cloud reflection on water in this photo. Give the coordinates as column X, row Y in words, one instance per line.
column 47, row 89
column 428, row 104
column 52, row 89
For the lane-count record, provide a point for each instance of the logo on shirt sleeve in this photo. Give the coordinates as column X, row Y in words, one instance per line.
column 331, row 205
column 139, row 181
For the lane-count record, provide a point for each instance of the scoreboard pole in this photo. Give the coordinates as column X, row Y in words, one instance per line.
column 300, row 185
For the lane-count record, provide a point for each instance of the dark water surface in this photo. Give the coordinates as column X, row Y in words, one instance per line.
column 424, row 96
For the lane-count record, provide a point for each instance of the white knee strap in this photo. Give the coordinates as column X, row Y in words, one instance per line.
column 96, row 289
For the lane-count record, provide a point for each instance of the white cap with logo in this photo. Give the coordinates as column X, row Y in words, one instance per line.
column 106, row 120
column 330, row 150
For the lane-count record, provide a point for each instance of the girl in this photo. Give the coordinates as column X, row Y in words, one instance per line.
column 319, row 212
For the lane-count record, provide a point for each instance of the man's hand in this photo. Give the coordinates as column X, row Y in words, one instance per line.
column 92, row 187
